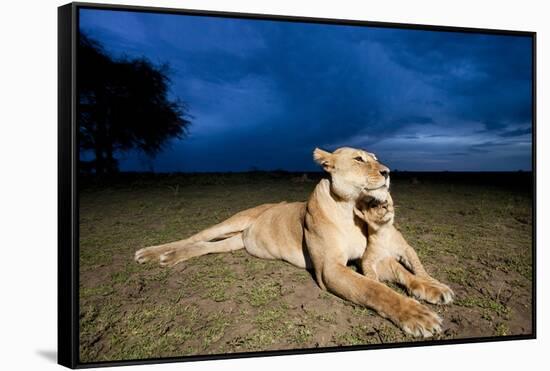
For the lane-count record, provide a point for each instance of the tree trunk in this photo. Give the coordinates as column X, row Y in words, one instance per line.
column 111, row 162
column 99, row 161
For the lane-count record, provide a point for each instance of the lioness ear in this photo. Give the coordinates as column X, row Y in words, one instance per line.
column 323, row 158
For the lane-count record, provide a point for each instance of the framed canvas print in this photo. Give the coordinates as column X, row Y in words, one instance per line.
column 236, row 185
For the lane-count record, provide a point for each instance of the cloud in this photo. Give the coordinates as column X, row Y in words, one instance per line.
column 516, row 133
column 407, row 120
column 283, row 88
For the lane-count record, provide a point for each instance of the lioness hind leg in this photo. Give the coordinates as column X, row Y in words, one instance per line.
column 427, row 289
column 221, row 231
column 154, row 252
column 173, row 257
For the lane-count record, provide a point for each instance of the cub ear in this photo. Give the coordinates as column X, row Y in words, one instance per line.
column 324, row 159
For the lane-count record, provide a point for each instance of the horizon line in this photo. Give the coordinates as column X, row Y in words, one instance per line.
column 316, row 172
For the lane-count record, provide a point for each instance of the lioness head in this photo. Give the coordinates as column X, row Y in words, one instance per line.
column 355, row 173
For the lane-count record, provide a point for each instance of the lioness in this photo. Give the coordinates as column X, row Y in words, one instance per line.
column 388, row 257
column 322, row 234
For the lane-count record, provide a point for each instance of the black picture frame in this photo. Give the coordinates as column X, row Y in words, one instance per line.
column 68, row 202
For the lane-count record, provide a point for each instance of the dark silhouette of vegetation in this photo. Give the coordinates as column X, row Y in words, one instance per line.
column 123, row 105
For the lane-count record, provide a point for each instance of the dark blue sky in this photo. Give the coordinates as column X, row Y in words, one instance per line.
column 264, row 94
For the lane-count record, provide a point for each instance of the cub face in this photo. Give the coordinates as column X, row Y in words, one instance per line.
column 376, row 213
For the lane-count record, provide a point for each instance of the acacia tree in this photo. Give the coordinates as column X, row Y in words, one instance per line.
column 124, row 105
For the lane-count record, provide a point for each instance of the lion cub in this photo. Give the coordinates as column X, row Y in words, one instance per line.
column 389, row 257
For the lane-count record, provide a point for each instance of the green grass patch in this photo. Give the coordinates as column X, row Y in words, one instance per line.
column 489, row 306
column 358, row 335
column 264, row 293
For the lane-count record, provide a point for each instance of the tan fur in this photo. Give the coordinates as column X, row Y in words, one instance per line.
column 322, row 234
column 388, row 257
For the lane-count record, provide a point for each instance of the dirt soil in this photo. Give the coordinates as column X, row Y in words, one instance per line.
column 473, row 232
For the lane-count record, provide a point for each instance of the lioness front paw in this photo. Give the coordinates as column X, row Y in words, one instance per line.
column 432, row 291
column 418, row 320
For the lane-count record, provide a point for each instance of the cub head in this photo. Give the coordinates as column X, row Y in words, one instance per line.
column 355, row 174
column 376, row 213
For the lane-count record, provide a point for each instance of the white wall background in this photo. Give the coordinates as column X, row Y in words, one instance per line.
column 28, row 181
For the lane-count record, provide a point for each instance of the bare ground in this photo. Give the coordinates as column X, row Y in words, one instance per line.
column 472, row 232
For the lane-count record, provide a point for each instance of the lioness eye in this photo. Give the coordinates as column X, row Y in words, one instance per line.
column 359, row 158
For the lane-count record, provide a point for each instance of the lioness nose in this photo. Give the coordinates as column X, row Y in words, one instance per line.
column 385, row 173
